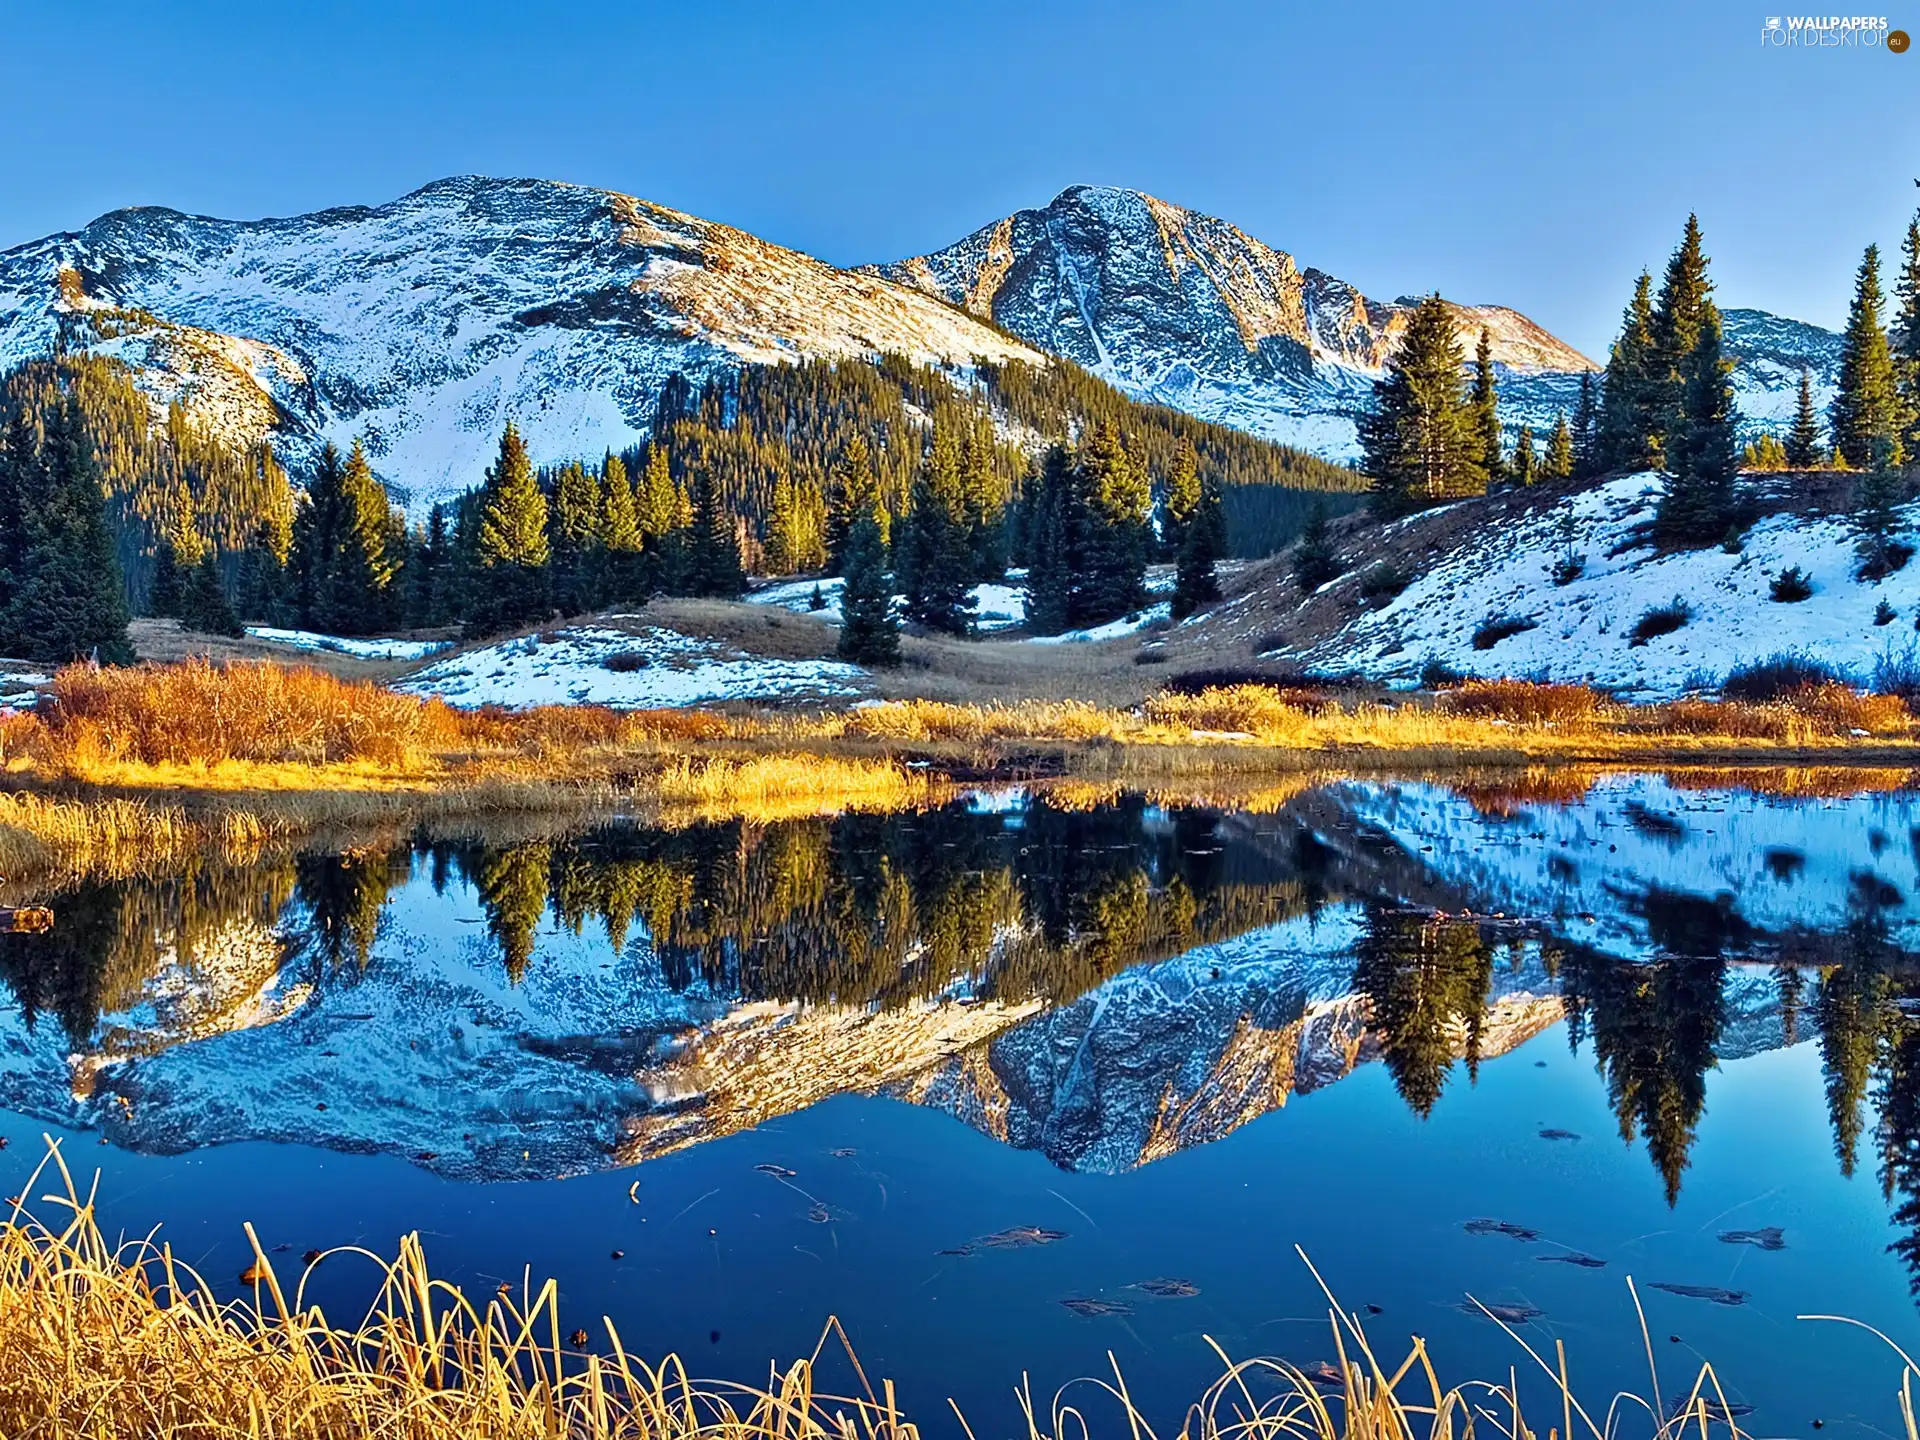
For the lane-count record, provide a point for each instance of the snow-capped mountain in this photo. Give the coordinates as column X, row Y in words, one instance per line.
column 425, row 324
column 1182, row 308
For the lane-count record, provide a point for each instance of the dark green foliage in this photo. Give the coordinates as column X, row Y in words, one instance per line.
column 1631, row 424
column 204, row 605
column 1903, row 337
column 1048, row 528
column 511, row 551
column 796, row 529
column 1524, row 469
column 1180, row 497
column 1485, row 405
column 1314, row 561
column 1419, row 441
column 869, row 633
column 853, row 493
column 1700, row 502
column 1587, row 459
column 1680, row 315
column 1085, row 523
column 1803, row 447
column 713, row 544
column 343, row 549
column 1660, row 620
column 1558, row 462
column 1790, row 586
column 1202, row 547
column 70, row 602
column 1866, row 414
column 576, row 512
column 1426, row 980
column 1570, row 564
column 933, row 548
column 1878, row 524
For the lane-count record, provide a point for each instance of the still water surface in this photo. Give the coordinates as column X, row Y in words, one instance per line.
column 939, row 1074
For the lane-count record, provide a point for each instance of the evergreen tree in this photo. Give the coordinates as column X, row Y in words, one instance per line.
column 1878, row 524
column 511, row 542
column 71, row 602
column 1559, row 461
column 1048, row 537
column 783, row 529
column 869, row 633
column 204, row 605
column 1485, row 405
column 1679, row 315
column 1764, row 453
column 1630, row 421
column 1866, row 412
column 1111, row 559
column 1202, row 546
column 985, row 496
column 1700, row 503
column 621, row 540
column 21, row 479
column 1525, row 460
column 1314, row 561
column 1803, row 440
column 1419, row 443
column 426, row 571
column 1586, row 431
column 574, row 518
column 1182, row 497
column 933, row 557
column 176, row 557
column 853, row 492
column 342, row 568
column 1904, row 337
column 713, row 565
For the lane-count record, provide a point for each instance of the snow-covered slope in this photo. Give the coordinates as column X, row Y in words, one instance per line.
column 426, row 323
column 1183, row 308
column 1582, row 631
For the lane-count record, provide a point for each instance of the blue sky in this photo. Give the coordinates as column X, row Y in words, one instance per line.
column 1535, row 155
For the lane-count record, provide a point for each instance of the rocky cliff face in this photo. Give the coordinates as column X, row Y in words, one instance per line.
column 426, row 323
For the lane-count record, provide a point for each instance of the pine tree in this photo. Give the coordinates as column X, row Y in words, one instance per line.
column 574, row 519
column 1764, row 453
column 1419, row 442
column 1586, row 431
column 176, row 557
column 1700, row 502
column 512, row 549
column 713, row 565
column 1049, row 535
column 1485, row 405
column 1182, row 497
column 1904, row 337
column 427, row 573
column 1678, row 317
column 620, row 579
column 869, row 633
column 71, row 602
column 1803, row 440
column 204, row 605
column 783, row 528
column 1521, row 470
column 986, row 501
column 1866, row 410
column 1314, row 560
column 852, row 492
column 1111, row 561
column 932, row 554
column 1202, row 547
column 1558, row 464
column 1878, row 524
column 21, row 479
column 1630, row 422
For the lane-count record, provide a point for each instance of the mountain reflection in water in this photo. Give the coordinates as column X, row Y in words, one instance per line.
column 1106, row 983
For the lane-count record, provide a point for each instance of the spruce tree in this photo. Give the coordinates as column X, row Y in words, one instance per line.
column 869, row 633
column 1678, row 316
column 783, row 528
column 1049, row 535
column 1803, row 440
column 620, row 579
column 1521, row 470
column 427, row 572
column 204, row 605
column 1419, row 441
column 1559, row 461
column 1314, row 561
column 1904, row 338
column 713, row 565
column 574, row 518
column 176, row 556
column 70, row 603
column 985, row 503
column 1700, row 502
column 1485, row 404
column 1878, row 524
column 1182, row 496
column 1866, row 410
column 1630, row 423
column 1111, row 562
column 512, row 549
column 21, row 479
column 853, row 492
column 1202, row 546
column 1586, row 431
column 933, row 560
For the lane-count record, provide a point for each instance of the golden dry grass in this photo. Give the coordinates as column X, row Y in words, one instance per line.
column 107, row 1342
column 766, row 788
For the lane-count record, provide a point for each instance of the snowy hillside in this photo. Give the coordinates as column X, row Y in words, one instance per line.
column 1581, row 631
column 1188, row 310
column 426, row 323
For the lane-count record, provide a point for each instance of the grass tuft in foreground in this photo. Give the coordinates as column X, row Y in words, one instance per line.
column 104, row 1342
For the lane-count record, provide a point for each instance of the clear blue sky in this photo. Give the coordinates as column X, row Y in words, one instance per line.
column 1532, row 154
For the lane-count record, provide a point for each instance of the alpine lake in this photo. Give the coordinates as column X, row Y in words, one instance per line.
column 1032, row 1079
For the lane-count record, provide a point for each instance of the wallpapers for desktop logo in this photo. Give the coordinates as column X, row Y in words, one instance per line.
column 1811, row 32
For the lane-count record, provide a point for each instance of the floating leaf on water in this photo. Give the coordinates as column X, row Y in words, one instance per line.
column 578, row 1339
column 1552, row 1133
column 1702, row 1292
column 1771, row 1237
column 1502, row 1227
column 779, row 1172
column 1167, row 1289
column 312, row 1257
column 1092, row 1308
column 1019, row 1237
column 1508, row 1314
column 1574, row 1257
column 1324, row 1372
